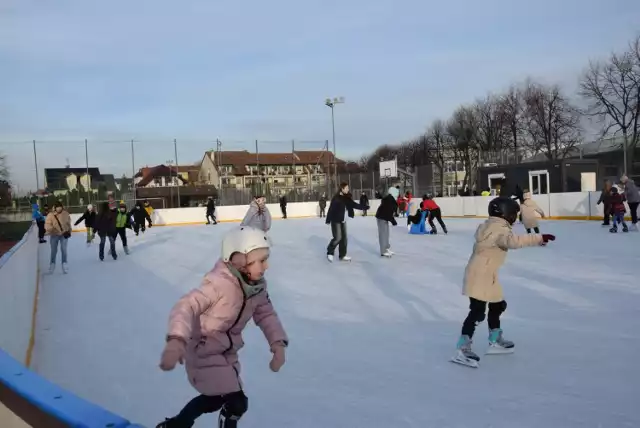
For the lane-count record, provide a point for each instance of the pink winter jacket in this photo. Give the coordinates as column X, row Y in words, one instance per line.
column 210, row 319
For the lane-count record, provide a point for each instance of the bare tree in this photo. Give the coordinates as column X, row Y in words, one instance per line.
column 437, row 138
column 612, row 89
column 4, row 171
column 552, row 122
column 512, row 107
column 490, row 128
column 462, row 128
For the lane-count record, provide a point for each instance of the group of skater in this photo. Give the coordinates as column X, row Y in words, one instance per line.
column 613, row 198
column 206, row 325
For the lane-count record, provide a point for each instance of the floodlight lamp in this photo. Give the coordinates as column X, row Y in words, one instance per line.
column 341, row 99
column 328, row 101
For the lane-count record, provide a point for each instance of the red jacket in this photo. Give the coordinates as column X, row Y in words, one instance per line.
column 429, row 204
column 617, row 203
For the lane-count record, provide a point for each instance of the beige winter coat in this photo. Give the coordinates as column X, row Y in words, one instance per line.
column 52, row 227
column 530, row 213
column 493, row 238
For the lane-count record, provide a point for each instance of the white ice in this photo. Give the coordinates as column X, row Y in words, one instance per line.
column 370, row 340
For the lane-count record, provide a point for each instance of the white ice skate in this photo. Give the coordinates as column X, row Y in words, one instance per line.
column 126, row 250
column 345, row 259
column 387, row 254
column 633, row 228
column 52, row 267
column 64, row 268
column 330, row 257
column 464, row 354
column 390, row 252
column 498, row 344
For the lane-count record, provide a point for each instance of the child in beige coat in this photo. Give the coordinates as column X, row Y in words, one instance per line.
column 493, row 239
column 530, row 213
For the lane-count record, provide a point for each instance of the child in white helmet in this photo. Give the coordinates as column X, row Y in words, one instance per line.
column 205, row 329
column 89, row 218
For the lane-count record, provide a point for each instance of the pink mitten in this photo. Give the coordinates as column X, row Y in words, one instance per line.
column 173, row 353
column 278, row 357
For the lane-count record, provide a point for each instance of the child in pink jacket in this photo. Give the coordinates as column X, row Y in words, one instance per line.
column 205, row 329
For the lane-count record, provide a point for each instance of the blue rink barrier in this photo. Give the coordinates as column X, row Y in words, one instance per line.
column 41, row 403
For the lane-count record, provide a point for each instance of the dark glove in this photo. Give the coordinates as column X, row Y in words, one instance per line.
column 547, row 237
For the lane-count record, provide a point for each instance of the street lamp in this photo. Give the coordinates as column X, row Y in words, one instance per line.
column 170, row 163
column 331, row 103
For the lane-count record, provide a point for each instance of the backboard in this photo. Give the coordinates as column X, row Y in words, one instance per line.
column 389, row 169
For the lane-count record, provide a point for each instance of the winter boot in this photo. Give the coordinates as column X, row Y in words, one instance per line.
column 624, row 227
column 464, row 354
column 444, row 229
column 52, row 267
column 614, row 229
column 498, row 344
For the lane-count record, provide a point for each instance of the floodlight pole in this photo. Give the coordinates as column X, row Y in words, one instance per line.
column 331, row 103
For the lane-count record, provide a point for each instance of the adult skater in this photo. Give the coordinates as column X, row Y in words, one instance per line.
column 206, row 325
column 283, row 206
column 37, row 216
column 633, row 199
column 384, row 216
column 140, row 217
column 322, row 203
column 258, row 215
column 211, row 211
column 530, row 212
column 123, row 222
column 58, row 227
column 493, row 239
column 89, row 217
column 430, row 205
column 605, row 197
column 364, row 201
column 340, row 207
column 105, row 227
column 618, row 210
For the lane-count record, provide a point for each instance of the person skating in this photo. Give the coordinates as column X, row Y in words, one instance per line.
column 341, row 207
column 605, row 196
column 364, row 201
column 123, row 222
column 530, row 212
column 211, row 211
column 37, row 216
column 618, row 210
column 149, row 209
column 258, row 215
column 633, row 199
column 384, row 216
column 89, row 217
column 105, row 227
column 58, row 227
column 430, row 205
column 493, row 239
column 140, row 217
column 283, row 206
column 206, row 325
column 322, row 202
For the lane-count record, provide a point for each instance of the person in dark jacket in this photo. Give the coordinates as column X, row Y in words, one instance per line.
column 322, row 202
column 89, row 218
column 341, row 206
column 105, row 227
column 140, row 217
column 211, row 211
column 618, row 209
column 384, row 216
column 364, row 201
column 283, row 206
column 605, row 198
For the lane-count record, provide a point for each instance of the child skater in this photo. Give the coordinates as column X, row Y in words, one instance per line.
column 123, row 222
column 384, row 216
column 258, row 215
column 617, row 209
column 530, row 212
column 205, row 329
column 140, row 216
column 89, row 218
column 430, row 205
column 493, row 239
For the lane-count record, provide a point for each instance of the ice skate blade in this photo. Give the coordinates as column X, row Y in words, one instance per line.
column 463, row 361
column 497, row 350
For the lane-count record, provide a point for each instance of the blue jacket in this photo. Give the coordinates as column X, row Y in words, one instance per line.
column 35, row 213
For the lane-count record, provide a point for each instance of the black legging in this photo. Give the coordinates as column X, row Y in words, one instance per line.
column 633, row 207
column 234, row 404
column 477, row 310
column 438, row 216
column 122, row 233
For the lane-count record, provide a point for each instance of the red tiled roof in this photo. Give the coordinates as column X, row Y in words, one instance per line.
column 149, row 173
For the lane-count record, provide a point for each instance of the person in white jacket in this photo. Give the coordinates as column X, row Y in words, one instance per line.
column 530, row 213
column 258, row 215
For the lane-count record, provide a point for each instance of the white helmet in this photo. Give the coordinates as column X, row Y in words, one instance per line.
column 243, row 240
column 89, row 207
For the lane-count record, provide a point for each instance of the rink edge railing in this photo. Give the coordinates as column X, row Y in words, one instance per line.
column 29, row 399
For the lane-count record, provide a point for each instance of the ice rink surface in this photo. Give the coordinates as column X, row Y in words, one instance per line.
column 371, row 339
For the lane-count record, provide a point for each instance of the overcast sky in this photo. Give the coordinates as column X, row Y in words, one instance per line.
column 196, row 70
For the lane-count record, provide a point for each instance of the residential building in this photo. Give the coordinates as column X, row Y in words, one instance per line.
column 60, row 181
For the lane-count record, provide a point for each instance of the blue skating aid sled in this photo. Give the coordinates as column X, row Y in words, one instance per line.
column 420, row 228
